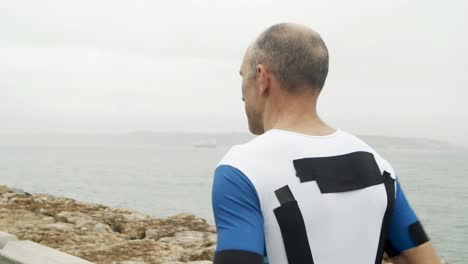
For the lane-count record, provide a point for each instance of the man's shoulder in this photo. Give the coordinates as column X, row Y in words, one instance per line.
column 247, row 152
column 381, row 161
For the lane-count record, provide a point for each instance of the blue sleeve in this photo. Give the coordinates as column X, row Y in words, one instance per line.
column 400, row 235
column 237, row 212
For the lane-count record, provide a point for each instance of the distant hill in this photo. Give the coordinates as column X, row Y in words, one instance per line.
column 178, row 138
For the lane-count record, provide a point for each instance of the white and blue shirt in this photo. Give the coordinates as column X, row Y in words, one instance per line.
column 295, row 198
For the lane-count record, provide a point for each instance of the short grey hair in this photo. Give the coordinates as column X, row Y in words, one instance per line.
column 297, row 56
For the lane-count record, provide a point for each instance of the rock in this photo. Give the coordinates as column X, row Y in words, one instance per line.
column 186, row 242
column 4, row 189
column 59, row 226
column 186, row 239
column 83, row 221
column 40, row 211
column 48, row 219
column 196, row 234
column 204, row 253
column 152, row 234
column 128, row 262
column 102, row 228
column 211, row 239
column 131, row 216
column 9, row 195
column 105, row 235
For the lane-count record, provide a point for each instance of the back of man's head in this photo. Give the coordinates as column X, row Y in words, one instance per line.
column 295, row 54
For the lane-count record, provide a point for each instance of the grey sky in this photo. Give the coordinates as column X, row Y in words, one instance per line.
column 397, row 67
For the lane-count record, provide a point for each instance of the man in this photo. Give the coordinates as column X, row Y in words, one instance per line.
column 302, row 191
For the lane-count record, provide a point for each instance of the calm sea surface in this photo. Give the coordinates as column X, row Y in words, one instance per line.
column 164, row 174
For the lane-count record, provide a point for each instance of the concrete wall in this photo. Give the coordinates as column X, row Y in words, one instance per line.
column 14, row 251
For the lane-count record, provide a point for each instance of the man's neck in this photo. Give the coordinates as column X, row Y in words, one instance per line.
column 300, row 116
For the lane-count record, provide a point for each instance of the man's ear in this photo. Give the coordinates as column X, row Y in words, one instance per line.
column 263, row 80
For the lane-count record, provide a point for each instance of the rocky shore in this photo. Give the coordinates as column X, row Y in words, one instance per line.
column 106, row 235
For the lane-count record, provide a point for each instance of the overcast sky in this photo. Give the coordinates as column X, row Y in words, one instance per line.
column 397, row 67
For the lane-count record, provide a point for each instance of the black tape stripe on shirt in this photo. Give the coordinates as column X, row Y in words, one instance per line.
column 417, row 233
column 236, row 257
column 342, row 173
column 292, row 228
column 284, row 195
column 390, row 190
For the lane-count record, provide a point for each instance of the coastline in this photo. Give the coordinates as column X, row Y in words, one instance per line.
column 105, row 235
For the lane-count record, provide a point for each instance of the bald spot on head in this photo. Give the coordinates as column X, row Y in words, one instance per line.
column 295, row 54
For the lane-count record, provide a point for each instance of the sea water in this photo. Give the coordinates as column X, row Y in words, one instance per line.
column 166, row 174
